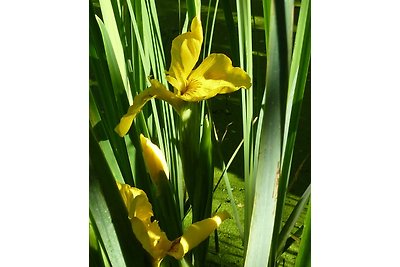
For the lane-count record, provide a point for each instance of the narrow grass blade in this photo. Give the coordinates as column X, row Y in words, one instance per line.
column 138, row 39
column 293, row 238
column 226, row 167
column 211, row 32
column 304, row 256
column 224, row 175
column 287, row 228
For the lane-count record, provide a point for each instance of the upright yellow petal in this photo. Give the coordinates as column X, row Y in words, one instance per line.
column 215, row 75
column 185, row 52
column 195, row 234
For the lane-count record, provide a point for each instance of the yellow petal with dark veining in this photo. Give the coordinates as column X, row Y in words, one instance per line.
column 215, row 75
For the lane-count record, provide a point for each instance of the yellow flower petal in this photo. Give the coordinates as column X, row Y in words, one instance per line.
column 157, row 90
column 154, row 159
column 215, row 75
column 159, row 241
column 185, row 52
column 153, row 240
column 195, row 234
column 149, row 234
column 136, row 202
column 138, row 102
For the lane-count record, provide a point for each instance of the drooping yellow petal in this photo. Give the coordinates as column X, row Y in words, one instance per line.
column 195, row 234
column 185, row 52
column 136, row 202
column 160, row 243
column 149, row 234
column 157, row 90
column 215, row 75
column 153, row 240
column 138, row 102
column 154, row 159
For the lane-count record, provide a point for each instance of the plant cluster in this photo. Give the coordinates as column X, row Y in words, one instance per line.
column 140, row 192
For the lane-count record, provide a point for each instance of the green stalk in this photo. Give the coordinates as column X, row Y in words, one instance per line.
column 204, row 183
column 246, row 62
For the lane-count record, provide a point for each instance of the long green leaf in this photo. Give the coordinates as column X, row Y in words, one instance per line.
column 96, row 258
column 246, row 62
column 268, row 172
column 110, row 16
column 296, row 87
column 304, row 256
column 193, row 8
column 232, row 31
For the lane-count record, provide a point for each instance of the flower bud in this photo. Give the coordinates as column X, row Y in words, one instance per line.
column 154, row 159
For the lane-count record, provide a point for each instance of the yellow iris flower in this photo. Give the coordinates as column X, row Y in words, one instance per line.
column 215, row 75
column 152, row 238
